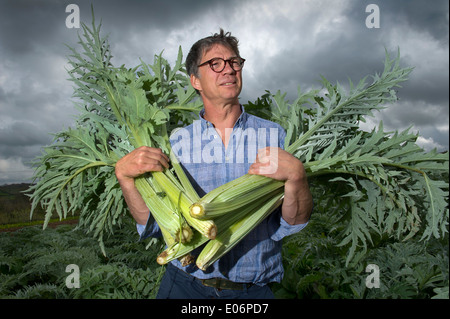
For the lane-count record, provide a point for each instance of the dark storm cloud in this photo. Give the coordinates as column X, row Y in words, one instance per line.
column 353, row 51
column 25, row 25
column 23, row 133
column 419, row 15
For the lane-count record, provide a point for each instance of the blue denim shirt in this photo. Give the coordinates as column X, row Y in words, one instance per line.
column 256, row 258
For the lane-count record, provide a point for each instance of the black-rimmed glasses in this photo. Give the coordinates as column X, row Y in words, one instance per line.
column 218, row 64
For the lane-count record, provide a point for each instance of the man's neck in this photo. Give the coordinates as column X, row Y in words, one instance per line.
column 223, row 117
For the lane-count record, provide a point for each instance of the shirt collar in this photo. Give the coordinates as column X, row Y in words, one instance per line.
column 239, row 123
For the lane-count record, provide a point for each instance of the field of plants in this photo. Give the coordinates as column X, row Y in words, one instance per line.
column 315, row 265
column 33, row 261
column 33, row 264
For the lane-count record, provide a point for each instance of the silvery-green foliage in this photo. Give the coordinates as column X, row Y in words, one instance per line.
column 395, row 187
column 120, row 109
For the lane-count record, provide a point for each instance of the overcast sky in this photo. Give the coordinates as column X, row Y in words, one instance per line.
column 286, row 44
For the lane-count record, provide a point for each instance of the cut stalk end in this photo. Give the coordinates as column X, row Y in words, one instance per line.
column 202, row 266
column 186, row 234
column 212, row 232
column 186, row 260
column 196, row 210
column 162, row 258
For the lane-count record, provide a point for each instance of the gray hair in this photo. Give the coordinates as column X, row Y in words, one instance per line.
column 202, row 46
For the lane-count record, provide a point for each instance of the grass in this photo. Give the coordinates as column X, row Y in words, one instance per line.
column 15, row 207
column 34, row 223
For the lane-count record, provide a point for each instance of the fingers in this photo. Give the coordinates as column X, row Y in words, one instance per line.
column 266, row 162
column 278, row 164
column 263, row 155
column 147, row 159
column 141, row 160
column 152, row 157
column 257, row 168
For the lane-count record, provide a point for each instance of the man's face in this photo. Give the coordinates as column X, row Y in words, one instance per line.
column 218, row 88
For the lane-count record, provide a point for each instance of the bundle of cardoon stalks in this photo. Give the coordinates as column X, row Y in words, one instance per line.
column 394, row 187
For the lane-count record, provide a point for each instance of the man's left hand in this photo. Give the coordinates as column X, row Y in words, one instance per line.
column 278, row 164
column 281, row 165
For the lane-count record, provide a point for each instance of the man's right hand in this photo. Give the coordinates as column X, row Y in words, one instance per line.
column 142, row 160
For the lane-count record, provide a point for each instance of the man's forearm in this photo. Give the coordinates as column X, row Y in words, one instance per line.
column 133, row 198
column 297, row 204
column 139, row 161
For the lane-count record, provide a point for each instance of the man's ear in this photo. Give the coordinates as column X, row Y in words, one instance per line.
column 195, row 82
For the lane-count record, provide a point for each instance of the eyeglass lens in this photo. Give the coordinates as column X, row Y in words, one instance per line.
column 218, row 64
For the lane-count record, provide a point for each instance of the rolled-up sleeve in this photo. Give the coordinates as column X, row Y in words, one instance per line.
column 150, row 229
column 282, row 227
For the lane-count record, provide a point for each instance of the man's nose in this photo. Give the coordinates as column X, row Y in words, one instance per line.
column 228, row 69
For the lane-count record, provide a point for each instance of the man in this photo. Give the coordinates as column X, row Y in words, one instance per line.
column 215, row 69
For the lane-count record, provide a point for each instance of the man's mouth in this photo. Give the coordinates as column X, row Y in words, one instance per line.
column 228, row 83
